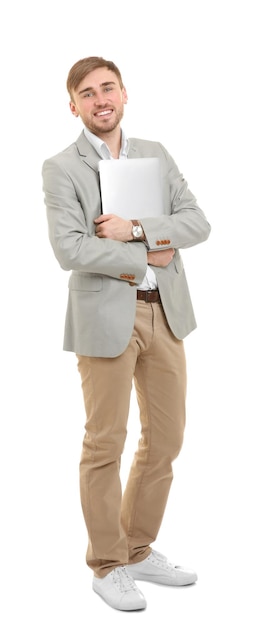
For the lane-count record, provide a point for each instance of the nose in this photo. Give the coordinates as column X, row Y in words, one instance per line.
column 100, row 99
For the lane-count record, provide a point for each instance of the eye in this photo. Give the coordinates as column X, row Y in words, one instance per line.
column 88, row 94
column 108, row 88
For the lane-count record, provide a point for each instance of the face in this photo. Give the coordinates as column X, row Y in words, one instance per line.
column 99, row 101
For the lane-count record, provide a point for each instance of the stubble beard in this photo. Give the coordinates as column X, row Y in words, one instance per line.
column 105, row 128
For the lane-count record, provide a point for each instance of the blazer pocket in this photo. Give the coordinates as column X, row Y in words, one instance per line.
column 85, row 282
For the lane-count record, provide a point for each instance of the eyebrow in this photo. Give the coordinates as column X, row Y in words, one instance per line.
column 105, row 84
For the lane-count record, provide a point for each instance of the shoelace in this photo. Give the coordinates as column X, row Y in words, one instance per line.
column 162, row 560
column 123, row 580
column 159, row 556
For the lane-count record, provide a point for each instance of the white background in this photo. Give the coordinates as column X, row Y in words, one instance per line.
column 198, row 76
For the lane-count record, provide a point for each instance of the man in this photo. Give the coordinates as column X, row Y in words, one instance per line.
column 128, row 312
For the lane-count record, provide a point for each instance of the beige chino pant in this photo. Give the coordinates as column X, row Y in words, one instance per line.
column 122, row 526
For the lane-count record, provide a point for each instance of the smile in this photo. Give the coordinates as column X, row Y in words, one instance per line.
column 101, row 113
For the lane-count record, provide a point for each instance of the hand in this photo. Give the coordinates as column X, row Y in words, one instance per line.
column 113, row 227
column 160, row 258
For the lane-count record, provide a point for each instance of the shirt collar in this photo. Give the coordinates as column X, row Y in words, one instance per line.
column 101, row 147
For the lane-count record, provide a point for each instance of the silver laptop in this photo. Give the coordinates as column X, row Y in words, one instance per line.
column 131, row 188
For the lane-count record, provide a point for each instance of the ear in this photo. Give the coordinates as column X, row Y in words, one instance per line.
column 73, row 109
column 124, row 94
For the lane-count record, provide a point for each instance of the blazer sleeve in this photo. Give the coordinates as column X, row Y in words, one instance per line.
column 71, row 229
column 184, row 224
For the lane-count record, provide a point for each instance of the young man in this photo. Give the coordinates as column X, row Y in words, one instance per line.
column 128, row 312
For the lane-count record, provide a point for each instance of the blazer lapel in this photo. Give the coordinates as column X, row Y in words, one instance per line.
column 132, row 149
column 86, row 152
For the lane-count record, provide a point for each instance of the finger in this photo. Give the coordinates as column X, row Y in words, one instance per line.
column 103, row 218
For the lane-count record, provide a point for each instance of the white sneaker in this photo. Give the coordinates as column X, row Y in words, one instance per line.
column 119, row 590
column 157, row 569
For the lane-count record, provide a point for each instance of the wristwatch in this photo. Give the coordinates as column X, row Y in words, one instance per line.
column 137, row 230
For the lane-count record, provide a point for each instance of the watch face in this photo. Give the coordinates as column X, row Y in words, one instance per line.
column 137, row 231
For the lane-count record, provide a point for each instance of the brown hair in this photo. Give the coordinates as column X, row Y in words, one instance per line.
column 80, row 69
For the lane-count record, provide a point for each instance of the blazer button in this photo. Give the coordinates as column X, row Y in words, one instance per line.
column 127, row 276
column 162, row 242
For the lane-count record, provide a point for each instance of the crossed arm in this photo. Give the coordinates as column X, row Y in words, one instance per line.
column 113, row 227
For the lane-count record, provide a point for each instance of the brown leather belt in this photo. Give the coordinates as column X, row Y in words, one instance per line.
column 149, row 295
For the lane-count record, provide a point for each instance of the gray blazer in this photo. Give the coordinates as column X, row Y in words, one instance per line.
column 105, row 273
